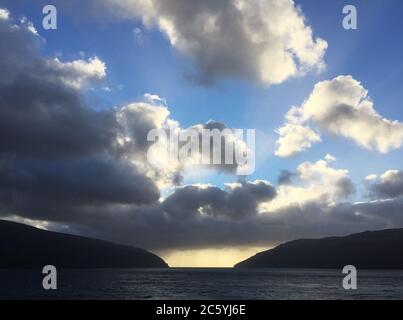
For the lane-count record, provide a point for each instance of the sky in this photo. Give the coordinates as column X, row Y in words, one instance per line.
column 76, row 104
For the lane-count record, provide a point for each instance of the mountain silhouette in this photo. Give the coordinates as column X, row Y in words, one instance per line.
column 367, row 250
column 22, row 246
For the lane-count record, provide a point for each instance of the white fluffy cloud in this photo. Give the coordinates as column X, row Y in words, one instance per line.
column 294, row 138
column 137, row 119
column 341, row 107
column 265, row 41
column 4, row 14
column 312, row 182
column 78, row 72
column 159, row 159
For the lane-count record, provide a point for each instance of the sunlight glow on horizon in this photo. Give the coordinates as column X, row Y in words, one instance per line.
column 209, row 258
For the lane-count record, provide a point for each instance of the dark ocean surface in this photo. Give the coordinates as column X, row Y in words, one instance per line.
column 201, row 284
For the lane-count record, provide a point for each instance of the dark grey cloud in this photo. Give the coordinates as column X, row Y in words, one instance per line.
column 85, row 181
column 345, row 187
column 285, row 177
column 158, row 227
column 389, row 185
column 49, row 120
column 137, row 120
column 386, row 212
column 55, row 149
column 40, row 115
column 239, row 201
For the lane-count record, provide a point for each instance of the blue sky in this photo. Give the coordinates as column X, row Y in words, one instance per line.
column 372, row 54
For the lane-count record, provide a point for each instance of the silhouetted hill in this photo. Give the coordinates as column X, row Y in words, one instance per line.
column 368, row 250
column 23, row 246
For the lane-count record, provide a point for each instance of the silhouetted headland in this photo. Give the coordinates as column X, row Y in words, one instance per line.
column 367, row 250
column 22, row 246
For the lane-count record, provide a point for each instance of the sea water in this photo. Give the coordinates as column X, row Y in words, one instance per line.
column 178, row 283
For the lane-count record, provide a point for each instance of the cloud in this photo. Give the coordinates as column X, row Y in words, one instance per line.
column 55, row 150
column 74, row 182
column 138, row 118
column 386, row 186
column 205, row 216
column 266, row 42
column 229, row 137
column 200, row 216
column 78, row 72
column 4, row 14
column 341, row 107
column 238, row 201
column 285, row 177
column 156, row 160
column 294, row 138
column 66, row 167
column 29, row 25
column 311, row 182
column 40, row 115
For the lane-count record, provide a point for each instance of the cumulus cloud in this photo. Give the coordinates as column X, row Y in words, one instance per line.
column 136, row 120
column 78, row 72
column 294, row 138
column 264, row 41
column 39, row 114
column 159, row 158
column 341, row 107
column 237, row 201
column 312, row 182
column 229, row 140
